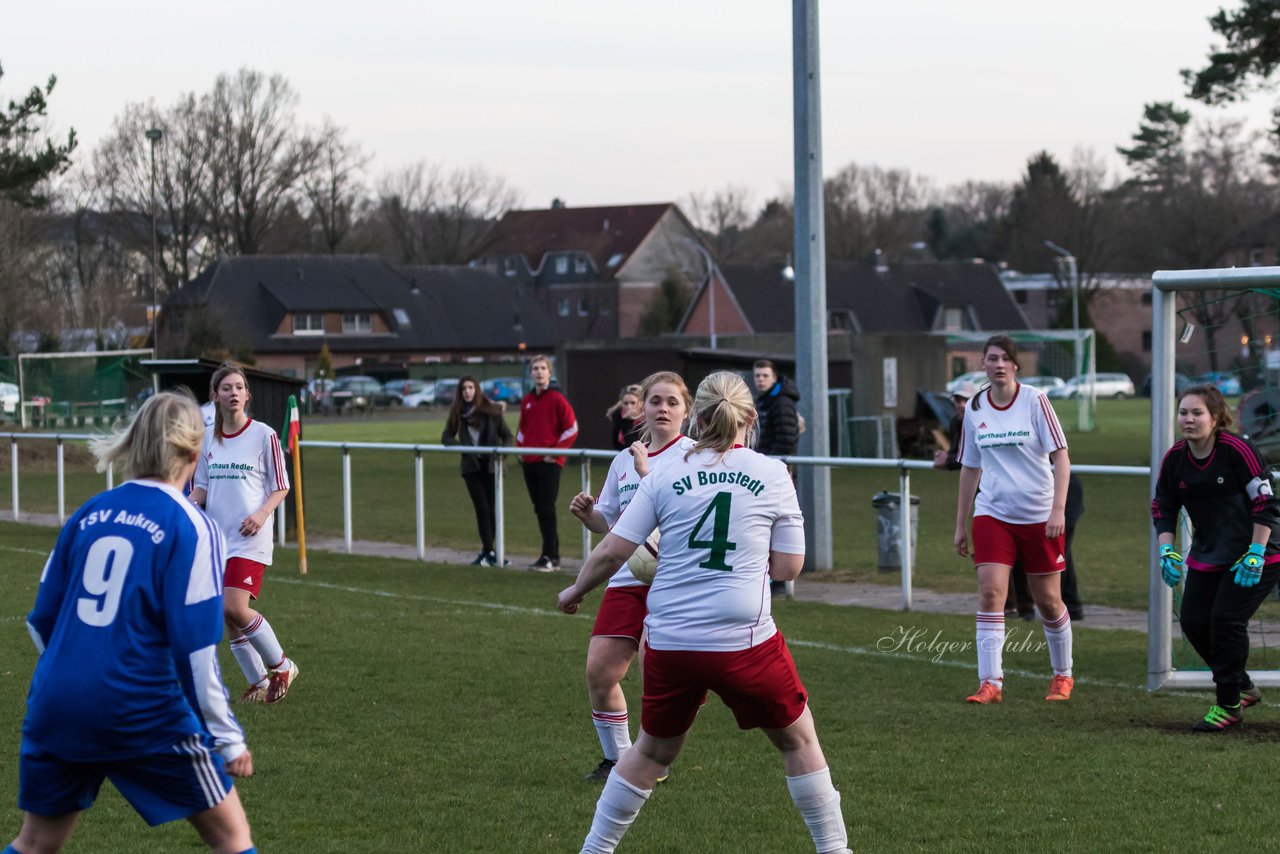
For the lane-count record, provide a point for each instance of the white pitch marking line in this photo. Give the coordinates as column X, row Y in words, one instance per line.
column 849, row 650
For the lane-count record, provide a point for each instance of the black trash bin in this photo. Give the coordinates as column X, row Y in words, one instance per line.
column 888, row 528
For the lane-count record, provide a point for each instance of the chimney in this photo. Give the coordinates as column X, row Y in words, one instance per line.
column 557, row 203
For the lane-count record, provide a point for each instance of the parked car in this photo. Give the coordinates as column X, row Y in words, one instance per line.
column 9, row 398
column 1117, row 386
column 424, row 396
column 504, row 389
column 1226, row 382
column 978, row 377
column 1180, row 382
column 358, row 392
column 445, row 390
column 1044, row 383
column 398, row 389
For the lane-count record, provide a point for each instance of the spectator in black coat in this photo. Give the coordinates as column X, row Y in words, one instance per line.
column 627, row 418
column 776, row 407
column 476, row 420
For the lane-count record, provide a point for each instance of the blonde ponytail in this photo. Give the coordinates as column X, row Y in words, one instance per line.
column 722, row 407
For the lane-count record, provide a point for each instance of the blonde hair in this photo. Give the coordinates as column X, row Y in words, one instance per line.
column 646, row 386
column 225, row 370
column 721, row 408
column 159, row 441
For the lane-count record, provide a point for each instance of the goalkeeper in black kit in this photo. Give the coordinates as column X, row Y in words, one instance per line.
column 1224, row 485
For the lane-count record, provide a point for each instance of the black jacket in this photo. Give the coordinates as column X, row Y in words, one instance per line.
column 625, row 430
column 493, row 431
column 779, row 420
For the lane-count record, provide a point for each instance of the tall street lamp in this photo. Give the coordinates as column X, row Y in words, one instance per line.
column 711, row 286
column 153, row 136
column 1073, row 276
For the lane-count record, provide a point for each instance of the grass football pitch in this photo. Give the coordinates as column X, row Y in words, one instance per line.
column 443, row 709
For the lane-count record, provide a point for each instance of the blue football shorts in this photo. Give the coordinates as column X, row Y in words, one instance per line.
column 186, row 779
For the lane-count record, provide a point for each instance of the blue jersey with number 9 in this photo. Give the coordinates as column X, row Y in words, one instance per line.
column 128, row 618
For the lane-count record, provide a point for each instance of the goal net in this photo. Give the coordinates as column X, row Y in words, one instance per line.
column 1219, row 327
column 77, row 389
column 1060, row 354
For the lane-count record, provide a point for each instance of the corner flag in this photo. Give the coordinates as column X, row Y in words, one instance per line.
column 293, row 432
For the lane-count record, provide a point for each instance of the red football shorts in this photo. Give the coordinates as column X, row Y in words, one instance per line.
column 622, row 612
column 759, row 685
column 1008, row 544
column 244, row 574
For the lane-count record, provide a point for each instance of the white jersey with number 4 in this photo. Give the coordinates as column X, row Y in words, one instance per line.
column 719, row 517
column 620, row 487
column 1012, row 445
column 238, row 474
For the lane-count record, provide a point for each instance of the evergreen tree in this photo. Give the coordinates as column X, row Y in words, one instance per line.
column 24, row 163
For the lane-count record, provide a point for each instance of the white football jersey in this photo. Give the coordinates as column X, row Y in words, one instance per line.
column 238, row 474
column 1012, row 447
column 719, row 518
column 620, row 486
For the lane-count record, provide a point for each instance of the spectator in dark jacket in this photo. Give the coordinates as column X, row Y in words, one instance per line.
column 776, row 408
column 476, row 420
column 627, row 418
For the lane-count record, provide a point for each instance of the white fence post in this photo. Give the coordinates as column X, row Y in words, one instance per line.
column 13, row 470
column 346, row 497
column 419, row 505
column 111, row 476
column 904, row 533
column 499, row 511
column 281, row 518
column 62, row 482
column 586, row 487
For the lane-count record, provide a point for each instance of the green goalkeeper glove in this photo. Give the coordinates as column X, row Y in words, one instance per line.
column 1248, row 568
column 1170, row 565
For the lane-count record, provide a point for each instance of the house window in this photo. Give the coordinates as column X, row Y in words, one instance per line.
column 839, row 320
column 1255, row 256
column 562, row 264
column 308, row 324
column 509, row 266
column 563, row 308
column 952, row 319
column 1020, row 297
column 402, row 317
column 1146, row 341
column 584, row 306
column 579, row 264
column 356, row 323
column 1146, row 299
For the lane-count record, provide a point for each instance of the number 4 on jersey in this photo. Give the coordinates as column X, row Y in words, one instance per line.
column 719, row 543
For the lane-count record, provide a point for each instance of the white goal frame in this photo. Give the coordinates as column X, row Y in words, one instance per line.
column 1165, row 287
column 23, row 358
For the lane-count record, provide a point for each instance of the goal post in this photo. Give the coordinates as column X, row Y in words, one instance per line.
column 1166, row 286
column 97, row 381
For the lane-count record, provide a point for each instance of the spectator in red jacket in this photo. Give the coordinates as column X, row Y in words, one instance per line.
column 546, row 421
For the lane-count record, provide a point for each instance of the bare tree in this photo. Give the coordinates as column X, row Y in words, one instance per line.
column 870, row 208
column 256, row 155
column 723, row 216
column 333, row 187
column 18, row 268
column 433, row 216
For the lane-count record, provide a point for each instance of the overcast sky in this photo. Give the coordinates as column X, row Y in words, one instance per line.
column 603, row 101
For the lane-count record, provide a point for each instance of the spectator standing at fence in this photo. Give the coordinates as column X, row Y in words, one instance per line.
column 546, row 421
column 1222, row 482
column 240, row 480
column 729, row 519
column 1011, row 437
column 619, row 624
column 776, row 401
column 127, row 686
column 475, row 420
column 626, row 417
column 946, row 459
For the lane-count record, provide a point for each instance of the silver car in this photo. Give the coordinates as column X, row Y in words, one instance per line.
column 1117, row 386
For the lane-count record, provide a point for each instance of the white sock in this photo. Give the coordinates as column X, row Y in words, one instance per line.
column 1058, row 634
column 617, row 808
column 249, row 660
column 259, row 633
column 991, row 647
column 819, row 805
column 614, row 732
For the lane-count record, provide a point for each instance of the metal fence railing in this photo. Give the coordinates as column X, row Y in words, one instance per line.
column 582, row 456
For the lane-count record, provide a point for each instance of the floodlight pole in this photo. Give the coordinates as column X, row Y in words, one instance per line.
column 1073, row 275
column 153, row 136
column 811, row 283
